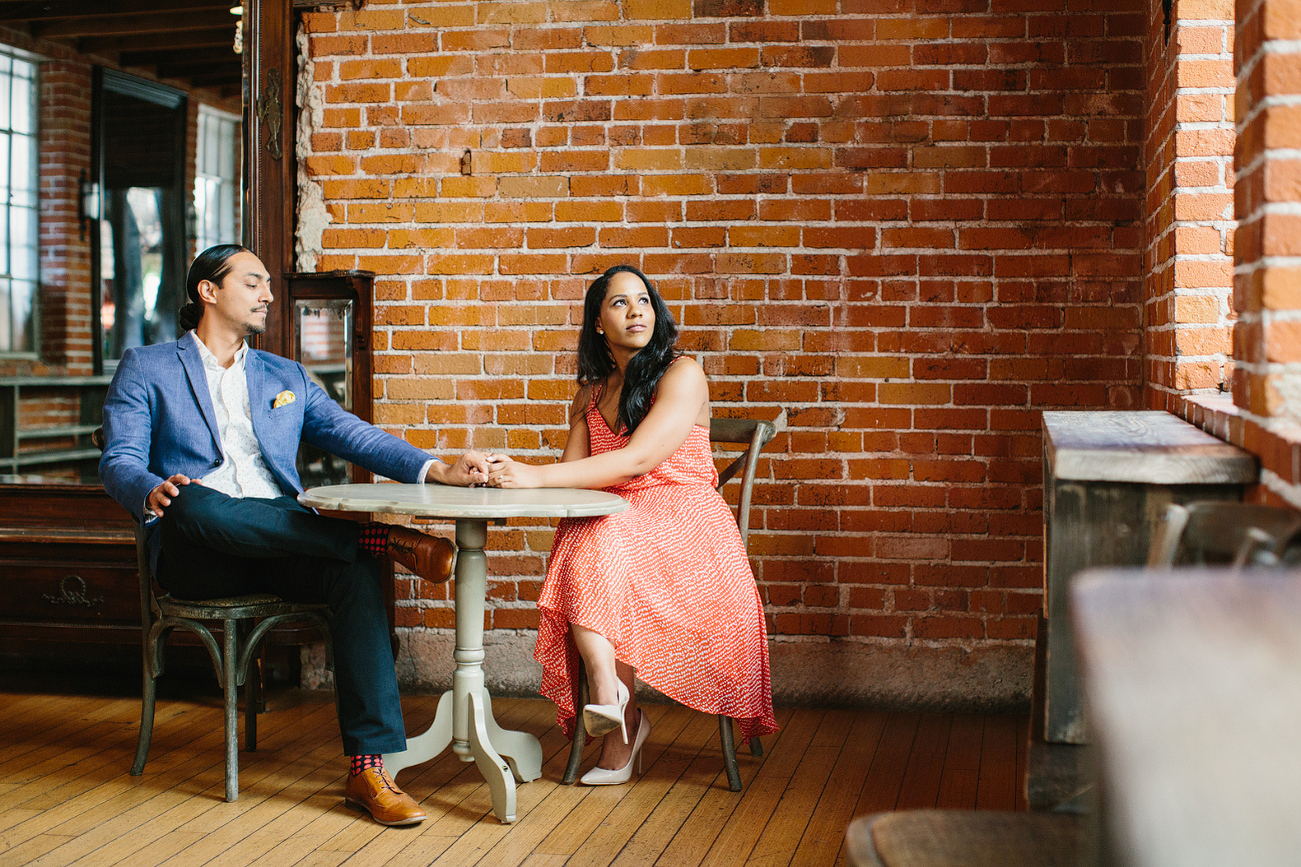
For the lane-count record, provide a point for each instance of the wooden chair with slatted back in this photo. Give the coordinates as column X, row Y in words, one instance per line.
column 1222, row 533
column 245, row 621
column 752, row 435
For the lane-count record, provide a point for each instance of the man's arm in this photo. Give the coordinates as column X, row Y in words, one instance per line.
column 328, row 426
column 124, row 466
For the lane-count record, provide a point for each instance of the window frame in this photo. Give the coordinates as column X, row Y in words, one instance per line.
column 7, row 351
column 233, row 183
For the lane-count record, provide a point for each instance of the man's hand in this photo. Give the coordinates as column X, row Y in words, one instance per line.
column 470, row 468
column 161, row 496
column 506, row 473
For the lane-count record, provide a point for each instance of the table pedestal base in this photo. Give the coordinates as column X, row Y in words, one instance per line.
column 464, row 717
column 501, row 755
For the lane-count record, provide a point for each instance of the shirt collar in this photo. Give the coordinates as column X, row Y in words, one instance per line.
column 210, row 361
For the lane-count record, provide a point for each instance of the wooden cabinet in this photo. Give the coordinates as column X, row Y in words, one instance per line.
column 1108, row 477
column 67, row 570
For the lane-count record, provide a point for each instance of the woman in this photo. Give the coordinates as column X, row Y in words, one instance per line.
column 663, row 591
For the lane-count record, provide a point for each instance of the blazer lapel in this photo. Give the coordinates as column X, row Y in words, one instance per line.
column 254, row 376
column 192, row 361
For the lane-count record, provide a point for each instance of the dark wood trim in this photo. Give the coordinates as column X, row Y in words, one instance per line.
column 271, row 74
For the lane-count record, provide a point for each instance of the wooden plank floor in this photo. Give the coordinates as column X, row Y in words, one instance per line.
column 66, row 796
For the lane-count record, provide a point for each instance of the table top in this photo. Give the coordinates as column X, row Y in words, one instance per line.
column 1147, row 446
column 1194, row 685
column 446, row 501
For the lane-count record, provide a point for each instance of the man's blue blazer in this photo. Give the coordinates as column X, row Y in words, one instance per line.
column 159, row 421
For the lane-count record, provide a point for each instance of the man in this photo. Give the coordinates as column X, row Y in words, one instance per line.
column 201, row 439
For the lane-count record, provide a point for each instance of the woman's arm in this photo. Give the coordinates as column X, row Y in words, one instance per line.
column 682, row 395
column 579, row 444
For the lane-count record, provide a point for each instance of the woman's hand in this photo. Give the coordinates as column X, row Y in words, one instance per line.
column 506, row 473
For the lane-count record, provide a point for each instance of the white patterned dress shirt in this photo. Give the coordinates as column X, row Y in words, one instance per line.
column 243, row 471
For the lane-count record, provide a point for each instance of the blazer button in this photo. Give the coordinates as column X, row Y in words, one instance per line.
column 217, row 462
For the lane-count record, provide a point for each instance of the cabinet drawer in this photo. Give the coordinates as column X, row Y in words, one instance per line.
column 70, row 593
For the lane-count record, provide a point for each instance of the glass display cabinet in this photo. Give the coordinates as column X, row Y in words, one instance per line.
column 330, row 336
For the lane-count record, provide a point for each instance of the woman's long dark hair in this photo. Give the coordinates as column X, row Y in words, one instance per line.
column 595, row 362
column 212, row 264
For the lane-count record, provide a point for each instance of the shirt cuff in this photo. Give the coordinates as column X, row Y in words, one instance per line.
column 424, row 471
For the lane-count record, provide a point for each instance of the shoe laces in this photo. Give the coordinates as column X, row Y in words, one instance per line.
column 403, row 546
column 386, row 782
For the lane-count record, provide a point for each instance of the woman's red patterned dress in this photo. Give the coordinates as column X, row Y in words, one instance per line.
column 668, row 583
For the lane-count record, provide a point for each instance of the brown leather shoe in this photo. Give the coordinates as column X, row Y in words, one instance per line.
column 374, row 791
column 431, row 557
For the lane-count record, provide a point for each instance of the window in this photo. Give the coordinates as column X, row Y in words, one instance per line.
column 140, row 154
column 19, row 184
column 216, row 182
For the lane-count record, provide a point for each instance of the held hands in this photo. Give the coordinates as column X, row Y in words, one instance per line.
column 506, row 473
column 470, row 469
column 161, row 497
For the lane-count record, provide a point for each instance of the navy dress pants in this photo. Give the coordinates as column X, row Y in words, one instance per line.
column 214, row 545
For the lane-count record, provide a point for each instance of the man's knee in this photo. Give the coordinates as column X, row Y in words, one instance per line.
column 188, row 512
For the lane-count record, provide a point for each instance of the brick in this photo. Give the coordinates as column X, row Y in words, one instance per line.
column 904, row 234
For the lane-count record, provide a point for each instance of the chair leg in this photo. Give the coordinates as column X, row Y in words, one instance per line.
column 150, row 693
column 729, row 752
column 756, row 747
column 254, row 701
column 230, row 660
column 252, row 698
column 580, row 732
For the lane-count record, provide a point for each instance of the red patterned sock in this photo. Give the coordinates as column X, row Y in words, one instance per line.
column 361, row 763
column 373, row 538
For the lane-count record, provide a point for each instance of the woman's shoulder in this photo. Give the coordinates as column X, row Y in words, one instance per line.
column 582, row 402
column 683, row 370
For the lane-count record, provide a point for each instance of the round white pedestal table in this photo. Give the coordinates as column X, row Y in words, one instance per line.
column 464, row 717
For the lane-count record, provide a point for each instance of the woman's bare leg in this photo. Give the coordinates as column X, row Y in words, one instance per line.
column 598, row 656
column 602, row 670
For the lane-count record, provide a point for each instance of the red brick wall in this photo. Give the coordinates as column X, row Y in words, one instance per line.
column 900, row 230
column 65, row 250
column 1189, row 246
column 1188, row 154
column 1267, row 252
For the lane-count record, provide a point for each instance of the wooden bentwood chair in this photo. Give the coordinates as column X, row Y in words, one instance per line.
column 245, row 621
column 753, row 434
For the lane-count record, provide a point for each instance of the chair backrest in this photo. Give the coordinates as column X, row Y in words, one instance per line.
column 1221, row 532
column 753, row 434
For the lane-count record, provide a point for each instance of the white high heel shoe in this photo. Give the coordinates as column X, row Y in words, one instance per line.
column 607, row 777
column 600, row 719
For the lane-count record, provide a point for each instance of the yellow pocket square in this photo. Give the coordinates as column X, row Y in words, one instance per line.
column 284, row 398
